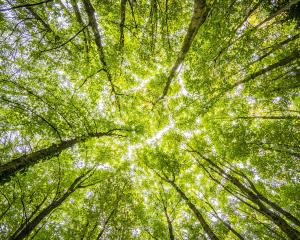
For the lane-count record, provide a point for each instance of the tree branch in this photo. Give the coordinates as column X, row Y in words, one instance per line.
column 25, row 5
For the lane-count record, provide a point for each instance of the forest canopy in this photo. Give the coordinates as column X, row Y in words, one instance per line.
column 149, row 119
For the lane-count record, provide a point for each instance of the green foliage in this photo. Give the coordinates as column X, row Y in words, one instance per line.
column 228, row 123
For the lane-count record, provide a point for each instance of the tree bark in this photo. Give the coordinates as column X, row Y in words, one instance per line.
column 291, row 232
column 197, row 213
column 122, row 22
column 294, row 56
column 228, row 225
column 105, row 223
column 272, row 204
column 169, row 222
column 21, row 163
column 27, row 229
column 97, row 37
column 198, row 18
column 170, row 227
column 82, row 24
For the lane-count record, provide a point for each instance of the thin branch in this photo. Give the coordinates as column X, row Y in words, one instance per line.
column 63, row 44
column 88, row 77
column 25, row 5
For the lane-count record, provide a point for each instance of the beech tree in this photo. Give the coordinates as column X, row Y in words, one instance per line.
column 158, row 119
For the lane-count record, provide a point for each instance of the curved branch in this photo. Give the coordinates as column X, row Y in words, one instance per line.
column 65, row 43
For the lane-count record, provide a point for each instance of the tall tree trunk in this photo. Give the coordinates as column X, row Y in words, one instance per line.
column 122, row 22
column 21, row 163
column 228, row 225
column 170, row 227
column 272, row 204
column 198, row 18
column 169, row 222
column 197, row 213
column 294, row 56
column 106, row 222
column 98, row 40
column 29, row 226
column 81, row 22
column 291, row 232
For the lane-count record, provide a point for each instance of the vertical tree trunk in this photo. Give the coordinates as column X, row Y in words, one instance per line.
column 198, row 215
column 169, row 222
column 122, row 22
column 170, row 227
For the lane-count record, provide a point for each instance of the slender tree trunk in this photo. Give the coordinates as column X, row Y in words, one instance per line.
column 170, row 227
column 292, row 233
column 280, row 210
column 28, row 228
column 239, row 236
column 122, row 22
column 80, row 21
column 31, row 225
column 199, row 216
column 272, row 204
column 198, row 18
column 106, row 222
column 45, row 24
column 294, row 56
column 228, row 225
column 97, row 37
column 169, row 222
column 286, row 7
column 19, row 164
column 232, row 39
column 219, row 93
column 275, row 47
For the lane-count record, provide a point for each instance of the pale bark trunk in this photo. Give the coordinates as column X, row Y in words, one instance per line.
column 198, row 18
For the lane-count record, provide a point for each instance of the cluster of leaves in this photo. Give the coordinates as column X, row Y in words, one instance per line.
column 149, row 119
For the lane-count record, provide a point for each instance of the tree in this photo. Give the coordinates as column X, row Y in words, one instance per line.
column 158, row 119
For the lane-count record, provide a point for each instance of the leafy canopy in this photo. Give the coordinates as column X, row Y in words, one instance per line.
column 157, row 119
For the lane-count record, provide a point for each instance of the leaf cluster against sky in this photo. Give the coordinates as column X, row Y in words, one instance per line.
column 157, row 119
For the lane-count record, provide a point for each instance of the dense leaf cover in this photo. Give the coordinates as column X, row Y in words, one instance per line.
column 157, row 119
